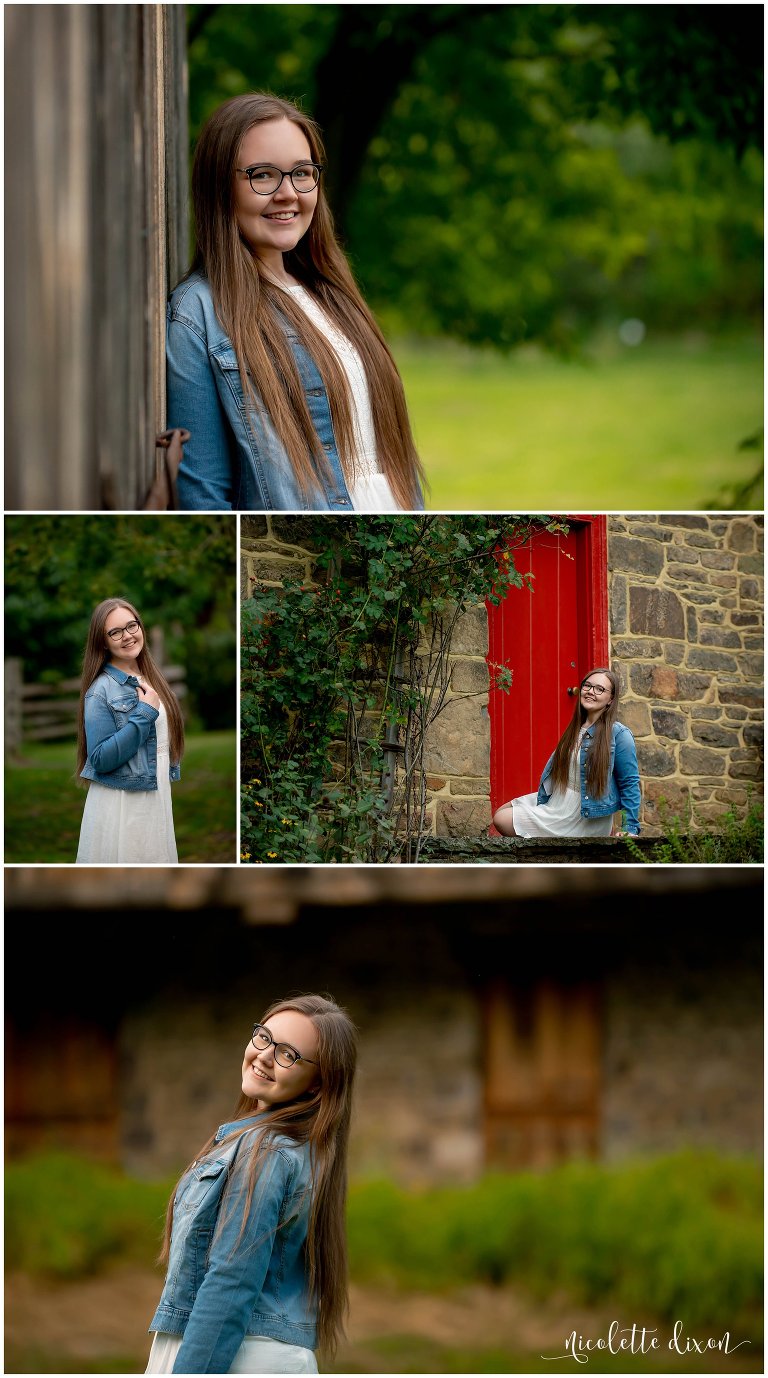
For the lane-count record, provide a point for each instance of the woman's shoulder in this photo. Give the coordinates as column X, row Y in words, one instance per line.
column 192, row 288
column 620, row 730
column 99, row 686
column 287, row 1159
column 191, row 303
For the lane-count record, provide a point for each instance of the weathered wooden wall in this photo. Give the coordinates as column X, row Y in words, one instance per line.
column 96, row 235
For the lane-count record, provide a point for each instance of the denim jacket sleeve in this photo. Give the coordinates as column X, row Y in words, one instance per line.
column 110, row 746
column 543, row 796
column 206, row 475
column 237, row 1263
column 626, row 773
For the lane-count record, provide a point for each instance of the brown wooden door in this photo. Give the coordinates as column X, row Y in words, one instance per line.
column 61, row 1087
column 542, row 1061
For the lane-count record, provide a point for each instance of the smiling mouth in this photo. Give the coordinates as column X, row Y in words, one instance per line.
column 280, row 215
column 261, row 1075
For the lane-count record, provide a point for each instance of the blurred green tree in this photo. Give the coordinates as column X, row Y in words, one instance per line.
column 509, row 172
column 179, row 571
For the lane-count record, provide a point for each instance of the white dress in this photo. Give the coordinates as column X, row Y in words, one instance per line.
column 257, row 1354
column 122, row 825
column 561, row 815
column 370, row 491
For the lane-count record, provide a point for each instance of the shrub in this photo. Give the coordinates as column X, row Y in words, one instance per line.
column 732, row 838
column 675, row 1236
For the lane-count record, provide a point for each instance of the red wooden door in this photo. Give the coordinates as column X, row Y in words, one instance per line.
column 549, row 639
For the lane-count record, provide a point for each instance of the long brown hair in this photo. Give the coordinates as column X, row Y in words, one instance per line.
column 94, row 658
column 599, row 751
column 252, row 310
column 321, row 1118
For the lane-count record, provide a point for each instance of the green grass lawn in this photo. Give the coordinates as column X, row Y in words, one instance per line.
column 651, row 428
column 44, row 805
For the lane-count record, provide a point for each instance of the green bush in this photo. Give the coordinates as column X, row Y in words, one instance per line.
column 671, row 1236
column 68, row 1217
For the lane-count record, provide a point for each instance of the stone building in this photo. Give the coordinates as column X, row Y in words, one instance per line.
column 509, row 1016
column 673, row 602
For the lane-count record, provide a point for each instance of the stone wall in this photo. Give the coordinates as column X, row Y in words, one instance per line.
column 680, row 1038
column 686, row 627
column 682, row 1050
column 149, row 1060
column 686, row 621
column 458, row 749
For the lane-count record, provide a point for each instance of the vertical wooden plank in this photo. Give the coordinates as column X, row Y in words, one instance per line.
column 96, row 151
column 47, row 250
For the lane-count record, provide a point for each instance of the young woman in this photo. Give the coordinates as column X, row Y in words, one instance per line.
column 130, row 741
column 591, row 774
column 275, row 364
column 255, row 1241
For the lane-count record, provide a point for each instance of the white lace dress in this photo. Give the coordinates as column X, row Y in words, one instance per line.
column 561, row 815
column 370, row 491
column 121, row 825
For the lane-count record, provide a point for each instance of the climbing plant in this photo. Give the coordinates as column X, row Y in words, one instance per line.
column 343, row 675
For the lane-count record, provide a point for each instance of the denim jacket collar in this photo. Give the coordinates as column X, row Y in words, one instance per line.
column 119, row 675
column 229, row 1128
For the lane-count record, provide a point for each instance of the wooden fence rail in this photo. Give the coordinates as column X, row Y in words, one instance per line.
column 48, row 712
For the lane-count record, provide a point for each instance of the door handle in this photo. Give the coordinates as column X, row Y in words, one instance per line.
column 574, row 689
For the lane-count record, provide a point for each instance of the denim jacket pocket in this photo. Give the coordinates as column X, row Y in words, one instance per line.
column 125, row 705
column 226, row 361
column 202, row 1178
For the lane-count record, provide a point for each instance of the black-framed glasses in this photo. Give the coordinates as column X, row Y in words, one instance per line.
column 597, row 689
column 265, row 179
column 118, row 633
column 285, row 1054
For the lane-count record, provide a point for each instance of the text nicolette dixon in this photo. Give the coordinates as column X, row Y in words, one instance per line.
column 641, row 1339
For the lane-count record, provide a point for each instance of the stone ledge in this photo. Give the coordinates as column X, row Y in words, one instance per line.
column 510, row 851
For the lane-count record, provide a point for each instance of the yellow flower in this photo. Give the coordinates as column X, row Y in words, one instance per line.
column 245, row 856
column 272, row 854
column 287, row 822
column 257, row 805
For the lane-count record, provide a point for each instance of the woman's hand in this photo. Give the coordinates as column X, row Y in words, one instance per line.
column 147, row 695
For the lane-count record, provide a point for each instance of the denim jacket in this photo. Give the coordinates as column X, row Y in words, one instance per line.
column 222, row 1284
column 120, row 734
column 623, row 789
column 233, row 461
